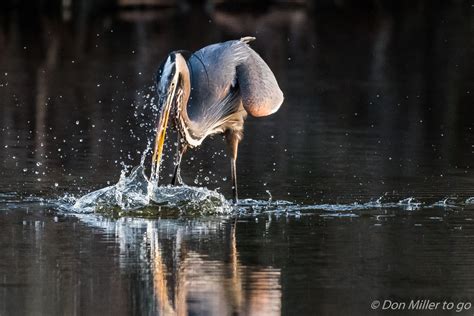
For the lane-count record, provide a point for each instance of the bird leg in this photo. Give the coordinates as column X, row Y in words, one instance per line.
column 177, row 167
column 233, row 145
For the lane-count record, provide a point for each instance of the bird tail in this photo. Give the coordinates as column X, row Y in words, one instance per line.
column 247, row 39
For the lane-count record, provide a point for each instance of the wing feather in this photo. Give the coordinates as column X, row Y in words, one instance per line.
column 259, row 88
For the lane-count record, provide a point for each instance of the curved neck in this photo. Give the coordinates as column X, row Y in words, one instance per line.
column 183, row 70
column 185, row 123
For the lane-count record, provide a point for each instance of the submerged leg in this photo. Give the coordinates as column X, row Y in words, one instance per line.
column 177, row 167
column 233, row 145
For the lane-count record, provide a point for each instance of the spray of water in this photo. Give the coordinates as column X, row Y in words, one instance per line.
column 136, row 192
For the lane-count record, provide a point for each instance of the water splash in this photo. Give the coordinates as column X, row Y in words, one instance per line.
column 131, row 196
column 136, row 195
column 447, row 202
column 410, row 204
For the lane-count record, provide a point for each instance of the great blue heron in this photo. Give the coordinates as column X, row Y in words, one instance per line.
column 211, row 91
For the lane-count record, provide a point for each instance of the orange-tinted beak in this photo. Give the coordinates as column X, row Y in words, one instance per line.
column 160, row 138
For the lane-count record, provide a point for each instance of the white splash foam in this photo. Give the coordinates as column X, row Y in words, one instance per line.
column 134, row 192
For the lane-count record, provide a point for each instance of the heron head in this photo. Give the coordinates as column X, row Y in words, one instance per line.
column 166, row 84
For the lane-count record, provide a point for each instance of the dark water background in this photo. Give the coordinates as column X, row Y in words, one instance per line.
column 379, row 102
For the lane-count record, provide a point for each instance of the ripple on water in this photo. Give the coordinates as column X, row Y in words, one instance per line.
column 134, row 195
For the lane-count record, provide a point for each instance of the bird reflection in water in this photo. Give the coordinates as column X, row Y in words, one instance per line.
column 191, row 267
column 195, row 283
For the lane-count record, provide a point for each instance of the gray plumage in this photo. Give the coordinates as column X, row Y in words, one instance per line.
column 214, row 90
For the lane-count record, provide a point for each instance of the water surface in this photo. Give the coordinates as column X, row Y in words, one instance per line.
column 359, row 188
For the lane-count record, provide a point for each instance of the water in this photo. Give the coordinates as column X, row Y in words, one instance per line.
column 360, row 188
column 135, row 194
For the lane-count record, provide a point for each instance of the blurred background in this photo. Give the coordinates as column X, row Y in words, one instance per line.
column 378, row 104
column 378, row 94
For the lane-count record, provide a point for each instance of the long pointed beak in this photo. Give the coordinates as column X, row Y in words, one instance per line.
column 160, row 138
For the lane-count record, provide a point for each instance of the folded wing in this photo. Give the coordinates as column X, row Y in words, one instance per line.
column 259, row 88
